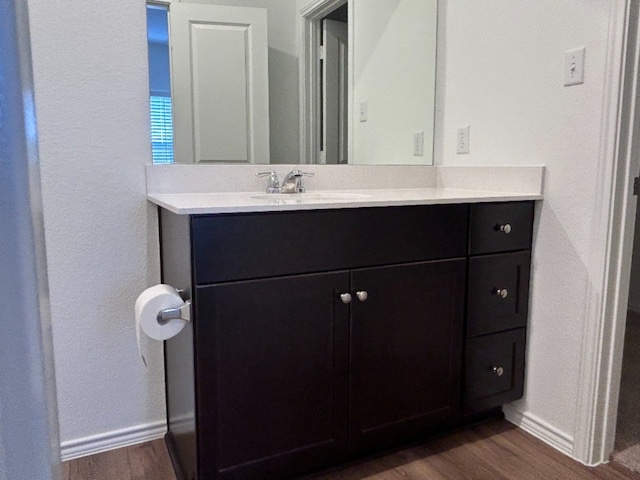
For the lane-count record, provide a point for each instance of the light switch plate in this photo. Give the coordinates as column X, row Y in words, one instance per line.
column 574, row 67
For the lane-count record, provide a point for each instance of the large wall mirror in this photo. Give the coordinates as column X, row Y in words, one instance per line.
column 293, row 81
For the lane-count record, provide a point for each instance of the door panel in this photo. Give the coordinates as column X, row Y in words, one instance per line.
column 335, row 92
column 220, row 85
column 272, row 375
column 406, row 345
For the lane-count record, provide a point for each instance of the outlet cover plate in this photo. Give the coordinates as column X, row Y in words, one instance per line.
column 462, row 140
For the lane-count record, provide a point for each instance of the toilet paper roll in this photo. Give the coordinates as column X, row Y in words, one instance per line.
column 148, row 305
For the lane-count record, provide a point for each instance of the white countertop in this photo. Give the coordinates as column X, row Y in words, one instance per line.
column 236, row 202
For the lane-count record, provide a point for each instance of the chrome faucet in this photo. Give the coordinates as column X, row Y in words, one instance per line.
column 293, row 182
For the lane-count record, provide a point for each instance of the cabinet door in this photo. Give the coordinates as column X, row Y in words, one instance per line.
column 406, row 350
column 272, row 381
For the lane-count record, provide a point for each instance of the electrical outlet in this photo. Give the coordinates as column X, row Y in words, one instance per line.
column 363, row 111
column 574, row 67
column 418, row 144
column 462, row 141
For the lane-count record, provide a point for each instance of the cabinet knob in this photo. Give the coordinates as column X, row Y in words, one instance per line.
column 345, row 297
column 499, row 371
column 362, row 295
column 506, row 228
column 502, row 292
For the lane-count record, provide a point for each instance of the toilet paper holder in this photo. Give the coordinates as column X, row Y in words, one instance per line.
column 178, row 313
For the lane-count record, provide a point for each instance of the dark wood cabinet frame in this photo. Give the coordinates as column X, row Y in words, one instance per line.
column 276, row 376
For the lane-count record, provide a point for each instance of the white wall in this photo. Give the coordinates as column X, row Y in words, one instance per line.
column 504, row 77
column 91, row 89
column 394, row 55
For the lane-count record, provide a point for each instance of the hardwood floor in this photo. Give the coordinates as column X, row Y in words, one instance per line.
column 492, row 451
column 139, row 462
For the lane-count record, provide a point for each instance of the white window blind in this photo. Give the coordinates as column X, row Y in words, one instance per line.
column 161, row 130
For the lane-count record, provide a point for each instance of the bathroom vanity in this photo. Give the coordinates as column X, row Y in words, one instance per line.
column 321, row 333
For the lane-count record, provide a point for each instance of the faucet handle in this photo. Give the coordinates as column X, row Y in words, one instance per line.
column 297, row 175
column 274, row 184
column 300, row 173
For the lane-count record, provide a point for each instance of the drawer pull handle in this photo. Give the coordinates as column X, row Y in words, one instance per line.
column 502, row 292
column 362, row 295
column 499, row 371
column 345, row 297
column 506, row 228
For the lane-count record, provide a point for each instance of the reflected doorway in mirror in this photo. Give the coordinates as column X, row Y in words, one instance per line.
column 335, row 91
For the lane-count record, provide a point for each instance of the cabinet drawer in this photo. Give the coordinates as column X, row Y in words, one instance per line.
column 500, row 227
column 258, row 245
column 498, row 295
column 494, row 370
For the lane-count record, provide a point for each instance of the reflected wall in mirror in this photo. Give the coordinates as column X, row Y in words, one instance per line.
column 293, row 81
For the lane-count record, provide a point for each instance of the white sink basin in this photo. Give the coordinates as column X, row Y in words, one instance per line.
column 310, row 197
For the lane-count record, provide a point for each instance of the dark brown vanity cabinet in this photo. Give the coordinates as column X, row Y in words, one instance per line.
column 319, row 335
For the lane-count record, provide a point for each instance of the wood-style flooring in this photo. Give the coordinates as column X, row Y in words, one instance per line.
column 491, row 451
column 144, row 461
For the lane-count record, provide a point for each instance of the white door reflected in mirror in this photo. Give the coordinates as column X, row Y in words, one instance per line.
column 220, row 83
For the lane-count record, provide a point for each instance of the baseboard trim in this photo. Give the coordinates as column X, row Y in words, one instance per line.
column 540, row 429
column 103, row 442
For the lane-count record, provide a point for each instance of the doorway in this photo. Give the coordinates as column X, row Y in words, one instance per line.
column 334, row 87
column 326, row 82
column 627, row 438
column 29, row 433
